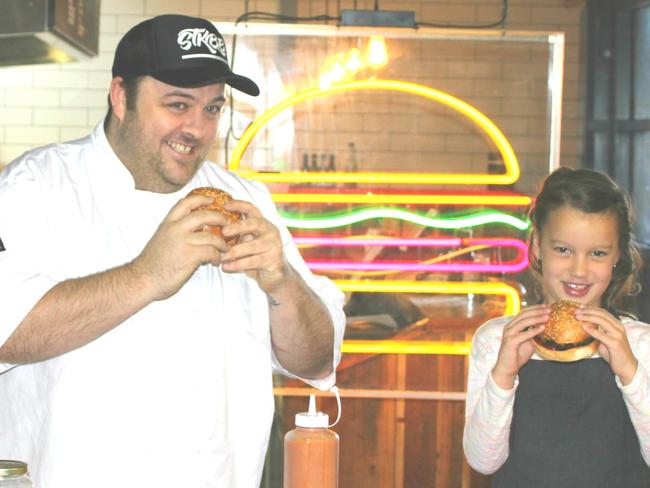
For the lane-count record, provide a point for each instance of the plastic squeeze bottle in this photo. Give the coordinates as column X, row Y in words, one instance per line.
column 311, row 451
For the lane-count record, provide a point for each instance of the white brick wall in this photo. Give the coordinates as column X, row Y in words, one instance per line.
column 50, row 103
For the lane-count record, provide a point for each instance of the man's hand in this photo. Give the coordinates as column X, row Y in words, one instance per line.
column 302, row 332
column 259, row 252
column 179, row 247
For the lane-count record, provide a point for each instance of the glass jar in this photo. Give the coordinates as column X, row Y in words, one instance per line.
column 13, row 474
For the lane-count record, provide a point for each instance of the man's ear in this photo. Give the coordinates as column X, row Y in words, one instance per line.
column 117, row 96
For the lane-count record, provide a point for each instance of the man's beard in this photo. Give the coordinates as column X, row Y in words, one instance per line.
column 148, row 166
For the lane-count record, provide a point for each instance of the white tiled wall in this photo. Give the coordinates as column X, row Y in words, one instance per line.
column 50, row 103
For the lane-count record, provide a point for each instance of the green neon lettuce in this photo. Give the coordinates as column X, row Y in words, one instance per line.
column 340, row 220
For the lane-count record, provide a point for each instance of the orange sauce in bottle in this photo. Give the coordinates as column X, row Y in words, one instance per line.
column 311, row 452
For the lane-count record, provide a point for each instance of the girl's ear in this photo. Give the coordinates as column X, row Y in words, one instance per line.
column 534, row 249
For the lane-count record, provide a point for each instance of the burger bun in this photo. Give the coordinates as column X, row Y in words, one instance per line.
column 563, row 338
column 219, row 198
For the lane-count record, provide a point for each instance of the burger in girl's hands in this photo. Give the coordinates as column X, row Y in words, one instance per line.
column 219, row 198
column 563, row 338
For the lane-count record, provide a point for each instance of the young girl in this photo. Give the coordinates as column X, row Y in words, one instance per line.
column 545, row 424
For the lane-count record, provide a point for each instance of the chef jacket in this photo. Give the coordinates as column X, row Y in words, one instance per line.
column 179, row 394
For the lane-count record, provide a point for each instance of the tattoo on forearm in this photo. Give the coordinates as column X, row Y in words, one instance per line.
column 272, row 301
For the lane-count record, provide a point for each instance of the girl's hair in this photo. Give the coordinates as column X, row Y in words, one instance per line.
column 590, row 192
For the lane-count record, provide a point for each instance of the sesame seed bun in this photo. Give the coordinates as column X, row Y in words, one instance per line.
column 563, row 338
column 219, row 197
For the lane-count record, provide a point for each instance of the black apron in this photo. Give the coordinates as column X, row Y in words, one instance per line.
column 571, row 429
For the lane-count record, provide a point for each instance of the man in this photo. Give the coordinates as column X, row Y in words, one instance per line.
column 137, row 351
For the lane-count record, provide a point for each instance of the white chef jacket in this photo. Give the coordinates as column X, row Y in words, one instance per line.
column 180, row 394
column 488, row 410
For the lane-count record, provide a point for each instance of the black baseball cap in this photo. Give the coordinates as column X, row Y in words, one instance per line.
column 182, row 51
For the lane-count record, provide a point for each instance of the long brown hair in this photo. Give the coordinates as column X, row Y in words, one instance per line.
column 595, row 193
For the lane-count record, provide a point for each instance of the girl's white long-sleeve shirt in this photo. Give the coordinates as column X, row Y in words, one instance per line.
column 488, row 412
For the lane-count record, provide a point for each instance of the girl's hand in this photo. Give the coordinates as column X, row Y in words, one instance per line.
column 614, row 346
column 516, row 348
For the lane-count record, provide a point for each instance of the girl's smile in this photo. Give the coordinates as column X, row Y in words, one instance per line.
column 578, row 252
column 576, row 290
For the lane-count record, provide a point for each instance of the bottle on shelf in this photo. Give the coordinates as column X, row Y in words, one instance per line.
column 314, row 163
column 331, row 166
column 323, row 162
column 353, row 163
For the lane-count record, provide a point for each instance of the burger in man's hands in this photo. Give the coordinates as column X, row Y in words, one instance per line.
column 563, row 338
column 219, row 197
